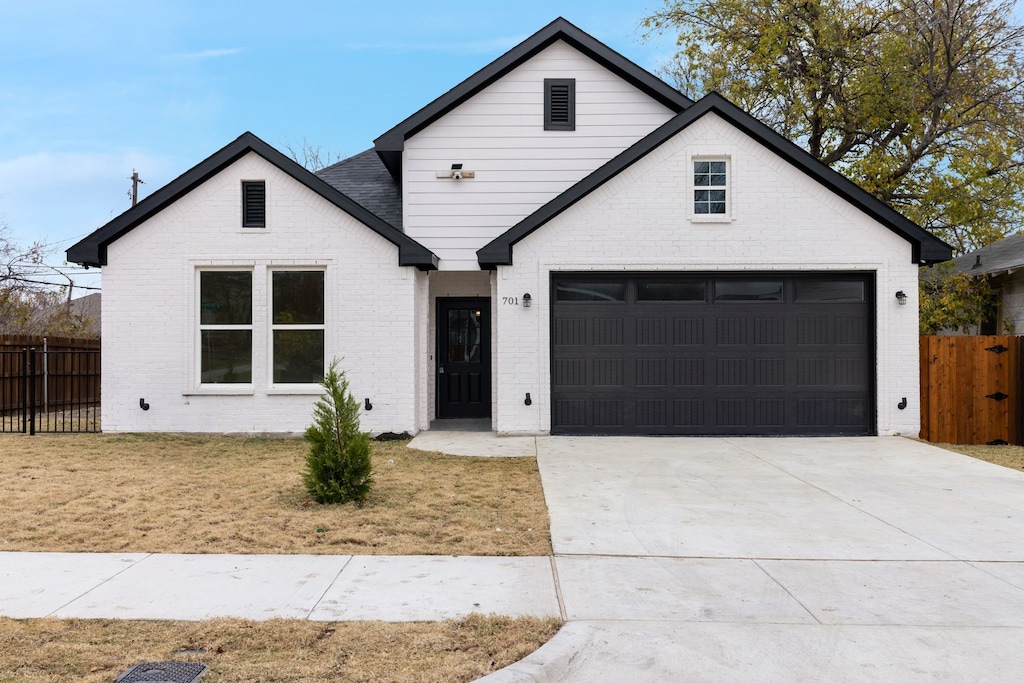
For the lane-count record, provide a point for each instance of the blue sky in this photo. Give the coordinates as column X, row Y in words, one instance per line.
column 90, row 91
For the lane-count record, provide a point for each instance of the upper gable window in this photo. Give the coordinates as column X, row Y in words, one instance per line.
column 254, row 204
column 711, row 200
column 559, row 104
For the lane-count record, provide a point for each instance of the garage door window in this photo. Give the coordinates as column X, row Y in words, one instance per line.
column 670, row 291
column 748, row 290
column 590, row 291
column 824, row 289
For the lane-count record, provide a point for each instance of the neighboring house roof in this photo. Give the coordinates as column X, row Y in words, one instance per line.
column 390, row 145
column 89, row 307
column 92, row 251
column 926, row 247
column 364, row 178
column 1004, row 256
column 85, row 308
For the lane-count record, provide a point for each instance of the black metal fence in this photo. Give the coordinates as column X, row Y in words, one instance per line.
column 47, row 390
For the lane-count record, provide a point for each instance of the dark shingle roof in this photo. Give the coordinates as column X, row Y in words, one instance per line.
column 1005, row 255
column 365, row 179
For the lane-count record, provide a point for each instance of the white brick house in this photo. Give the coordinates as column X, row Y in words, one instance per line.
column 561, row 243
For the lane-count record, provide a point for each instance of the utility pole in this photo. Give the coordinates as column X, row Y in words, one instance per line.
column 135, row 186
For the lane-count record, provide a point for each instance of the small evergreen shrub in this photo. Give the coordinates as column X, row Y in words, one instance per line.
column 338, row 467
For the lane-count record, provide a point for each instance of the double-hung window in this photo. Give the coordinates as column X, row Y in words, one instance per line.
column 297, row 326
column 710, row 188
column 225, row 326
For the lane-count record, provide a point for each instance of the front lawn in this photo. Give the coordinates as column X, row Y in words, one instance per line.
column 284, row 651
column 1007, row 456
column 220, row 494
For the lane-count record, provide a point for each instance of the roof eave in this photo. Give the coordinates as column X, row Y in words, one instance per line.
column 925, row 247
column 390, row 145
column 92, row 251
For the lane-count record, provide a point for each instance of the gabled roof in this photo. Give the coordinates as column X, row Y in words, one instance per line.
column 92, row 251
column 364, row 178
column 926, row 247
column 390, row 145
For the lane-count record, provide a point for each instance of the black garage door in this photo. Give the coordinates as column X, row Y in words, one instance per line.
column 752, row 354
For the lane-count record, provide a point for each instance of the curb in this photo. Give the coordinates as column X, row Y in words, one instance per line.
column 550, row 662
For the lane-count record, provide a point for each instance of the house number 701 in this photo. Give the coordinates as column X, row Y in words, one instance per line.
column 510, row 300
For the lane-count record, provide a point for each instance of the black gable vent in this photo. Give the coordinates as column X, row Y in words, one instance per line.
column 254, row 204
column 559, row 104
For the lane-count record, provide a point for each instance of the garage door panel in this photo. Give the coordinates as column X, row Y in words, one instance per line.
column 608, row 372
column 770, row 331
column 688, row 331
column 607, row 332
column 770, row 366
column 652, row 331
column 688, row 372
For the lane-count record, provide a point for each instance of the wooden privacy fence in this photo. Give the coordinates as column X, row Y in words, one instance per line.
column 971, row 389
column 50, row 384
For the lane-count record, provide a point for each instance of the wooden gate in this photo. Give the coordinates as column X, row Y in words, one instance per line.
column 970, row 389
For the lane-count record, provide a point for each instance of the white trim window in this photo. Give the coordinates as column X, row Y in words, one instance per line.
column 710, row 189
column 297, row 327
column 225, row 327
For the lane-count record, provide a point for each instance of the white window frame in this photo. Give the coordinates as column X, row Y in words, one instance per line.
column 220, row 387
column 692, row 187
column 271, row 327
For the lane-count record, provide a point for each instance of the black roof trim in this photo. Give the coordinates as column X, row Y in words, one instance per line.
column 390, row 145
column 92, row 251
column 926, row 247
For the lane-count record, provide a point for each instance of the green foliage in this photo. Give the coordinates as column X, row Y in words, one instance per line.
column 338, row 467
column 918, row 101
column 953, row 301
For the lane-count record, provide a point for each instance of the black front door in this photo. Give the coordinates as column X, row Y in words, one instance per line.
column 463, row 358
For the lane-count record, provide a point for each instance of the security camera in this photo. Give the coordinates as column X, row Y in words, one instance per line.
column 456, row 175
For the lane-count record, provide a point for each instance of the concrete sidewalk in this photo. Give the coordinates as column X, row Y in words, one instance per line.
column 315, row 587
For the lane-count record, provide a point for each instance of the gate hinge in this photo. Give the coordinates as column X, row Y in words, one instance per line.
column 997, row 349
column 999, row 396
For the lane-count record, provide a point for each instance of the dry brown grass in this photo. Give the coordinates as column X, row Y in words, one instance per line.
column 219, row 494
column 1007, row 456
column 284, row 651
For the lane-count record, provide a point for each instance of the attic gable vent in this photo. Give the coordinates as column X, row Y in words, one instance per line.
column 559, row 104
column 254, row 204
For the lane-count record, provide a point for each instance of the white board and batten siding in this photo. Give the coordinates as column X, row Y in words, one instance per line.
column 499, row 135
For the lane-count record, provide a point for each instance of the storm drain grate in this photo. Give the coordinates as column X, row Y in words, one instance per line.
column 163, row 672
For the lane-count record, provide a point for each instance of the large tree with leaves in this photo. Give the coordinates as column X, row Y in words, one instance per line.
column 918, row 101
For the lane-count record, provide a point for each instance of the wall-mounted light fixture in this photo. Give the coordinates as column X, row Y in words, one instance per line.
column 527, row 300
column 528, row 401
column 368, row 405
column 143, row 404
column 456, row 173
column 901, row 296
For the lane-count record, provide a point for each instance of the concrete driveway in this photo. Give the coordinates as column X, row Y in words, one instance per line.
column 719, row 559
